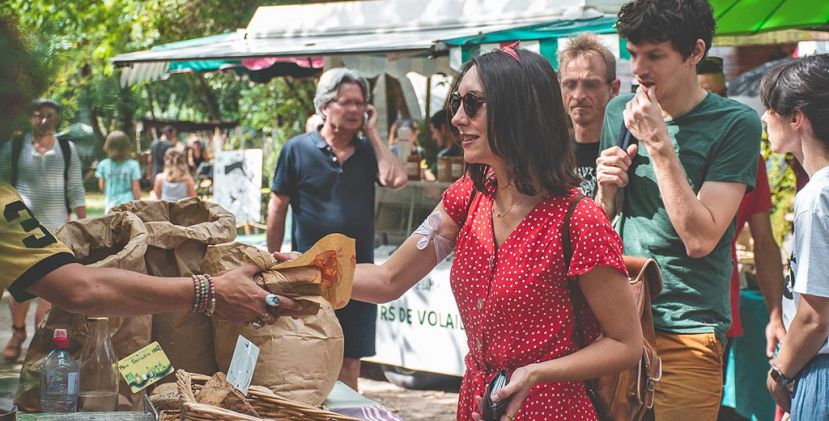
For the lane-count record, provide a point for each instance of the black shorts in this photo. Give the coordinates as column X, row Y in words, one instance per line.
column 358, row 320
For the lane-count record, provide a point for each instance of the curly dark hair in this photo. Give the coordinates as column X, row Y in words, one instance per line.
column 526, row 123
column 682, row 22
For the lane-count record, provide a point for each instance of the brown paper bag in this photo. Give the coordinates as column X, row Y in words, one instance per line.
column 298, row 359
column 178, row 236
column 325, row 270
column 118, row 240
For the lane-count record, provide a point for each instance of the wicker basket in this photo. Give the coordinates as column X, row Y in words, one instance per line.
column 268, row 405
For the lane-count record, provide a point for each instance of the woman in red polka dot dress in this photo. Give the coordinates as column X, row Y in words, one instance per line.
column 517, row 297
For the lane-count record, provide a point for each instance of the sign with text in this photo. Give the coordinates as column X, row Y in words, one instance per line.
column 242, row 365
column 145, row 367
column 422, row 330
column 237, row 183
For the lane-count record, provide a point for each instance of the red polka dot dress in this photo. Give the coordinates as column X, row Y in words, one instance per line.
column 515, row 302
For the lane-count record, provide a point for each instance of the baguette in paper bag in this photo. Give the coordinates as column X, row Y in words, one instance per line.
column 326, row 270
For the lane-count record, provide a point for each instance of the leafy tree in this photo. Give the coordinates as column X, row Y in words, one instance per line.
column 78, row 38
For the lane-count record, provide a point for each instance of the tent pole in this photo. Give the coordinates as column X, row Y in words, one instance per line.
column 428, row 101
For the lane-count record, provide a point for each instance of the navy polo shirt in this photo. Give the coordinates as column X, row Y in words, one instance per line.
column 328, row 196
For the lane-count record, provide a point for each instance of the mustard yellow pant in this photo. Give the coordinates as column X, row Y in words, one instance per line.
column 691, row 385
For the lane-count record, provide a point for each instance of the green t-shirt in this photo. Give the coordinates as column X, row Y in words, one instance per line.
column 718, row 140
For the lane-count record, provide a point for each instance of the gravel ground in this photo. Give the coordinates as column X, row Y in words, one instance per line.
column 412, row 405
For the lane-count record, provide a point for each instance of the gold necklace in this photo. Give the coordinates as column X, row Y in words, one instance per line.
column 500, row 215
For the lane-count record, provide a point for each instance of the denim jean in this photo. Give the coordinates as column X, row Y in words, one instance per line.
column 811, row 391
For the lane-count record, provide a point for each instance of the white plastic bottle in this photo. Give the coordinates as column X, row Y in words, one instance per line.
column 59, row 377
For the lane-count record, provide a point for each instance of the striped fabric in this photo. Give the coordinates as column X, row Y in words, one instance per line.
column 40, row 181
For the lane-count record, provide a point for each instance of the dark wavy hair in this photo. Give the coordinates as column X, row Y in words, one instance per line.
column 802, row 84
column 526, row 123
column 682, row 22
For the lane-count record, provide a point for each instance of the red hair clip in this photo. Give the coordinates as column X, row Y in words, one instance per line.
column 510, row 50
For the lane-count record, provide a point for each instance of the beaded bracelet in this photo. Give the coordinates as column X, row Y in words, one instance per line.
column 210, row 297
column 196, row 292
column 204, row 296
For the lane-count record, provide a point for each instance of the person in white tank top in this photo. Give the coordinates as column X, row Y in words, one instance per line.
column 175, row 182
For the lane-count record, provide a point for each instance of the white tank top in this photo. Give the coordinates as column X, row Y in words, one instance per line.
column 173, row 192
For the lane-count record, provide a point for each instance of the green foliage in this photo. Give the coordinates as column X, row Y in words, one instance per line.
column 783, row 186
column 76, row 39
column 24, row 74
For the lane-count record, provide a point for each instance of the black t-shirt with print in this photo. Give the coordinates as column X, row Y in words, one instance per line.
column 586, row 154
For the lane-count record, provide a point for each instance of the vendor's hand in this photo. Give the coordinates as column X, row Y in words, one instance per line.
column 775, row 332
column 781, row 394
column 643, row 117
column 241, row 301
column 284, row 257
column 612, row 169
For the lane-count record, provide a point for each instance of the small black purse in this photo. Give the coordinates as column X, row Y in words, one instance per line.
column 493, row 411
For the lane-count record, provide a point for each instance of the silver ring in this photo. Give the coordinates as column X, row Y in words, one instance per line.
column 272, row 300
column 256, row 324
column 265, row 318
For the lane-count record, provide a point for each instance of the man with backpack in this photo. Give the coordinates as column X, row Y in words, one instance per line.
column 46, row 171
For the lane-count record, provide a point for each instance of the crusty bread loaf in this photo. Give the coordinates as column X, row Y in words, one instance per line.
column 218, row 392
column 165, row 397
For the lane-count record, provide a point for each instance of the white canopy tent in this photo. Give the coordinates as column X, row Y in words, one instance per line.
column 388, row 28
column 373, row 36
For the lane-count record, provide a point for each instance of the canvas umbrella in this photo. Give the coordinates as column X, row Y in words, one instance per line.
column 741, row 17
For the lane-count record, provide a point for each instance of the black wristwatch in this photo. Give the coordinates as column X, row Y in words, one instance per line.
column 778, row 376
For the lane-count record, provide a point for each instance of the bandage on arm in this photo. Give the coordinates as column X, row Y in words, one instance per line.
column 429, row 230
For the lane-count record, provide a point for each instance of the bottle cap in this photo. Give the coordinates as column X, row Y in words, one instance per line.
column 60, row 339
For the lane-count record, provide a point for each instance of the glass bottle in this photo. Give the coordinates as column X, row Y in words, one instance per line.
column 99, row 374
column 59, row 377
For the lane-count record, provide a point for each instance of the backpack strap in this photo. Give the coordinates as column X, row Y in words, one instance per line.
column 67, row 159
column 17, row 148
column 566, row 245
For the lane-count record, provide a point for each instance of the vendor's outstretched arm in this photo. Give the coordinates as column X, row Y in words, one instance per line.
column 406, row 266
column 121, row 293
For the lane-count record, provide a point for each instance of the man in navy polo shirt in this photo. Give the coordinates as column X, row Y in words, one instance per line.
column 328, row 177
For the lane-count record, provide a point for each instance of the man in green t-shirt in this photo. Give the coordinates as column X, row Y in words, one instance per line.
column 683, row 182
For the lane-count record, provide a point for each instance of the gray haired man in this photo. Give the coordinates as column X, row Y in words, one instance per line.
column 327, row 176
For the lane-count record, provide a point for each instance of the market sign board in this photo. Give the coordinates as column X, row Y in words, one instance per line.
column 422, row 330
column 237, row 183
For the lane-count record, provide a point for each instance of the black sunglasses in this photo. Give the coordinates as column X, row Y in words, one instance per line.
column 471, row 104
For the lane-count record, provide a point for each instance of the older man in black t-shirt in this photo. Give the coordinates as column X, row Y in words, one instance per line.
column 588, row 82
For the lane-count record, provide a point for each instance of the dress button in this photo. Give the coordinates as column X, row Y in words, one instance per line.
column 480, row 303
column 491, row 259
column 478, row 344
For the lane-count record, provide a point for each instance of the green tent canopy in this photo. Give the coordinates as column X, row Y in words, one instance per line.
column 199, row 65
column 741, row 17
column 542, row 38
